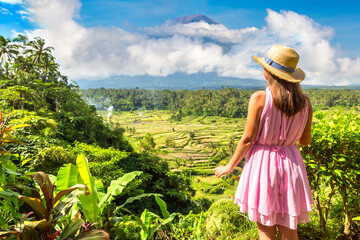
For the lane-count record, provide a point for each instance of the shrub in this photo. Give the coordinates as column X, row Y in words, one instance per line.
column 333, row 160
column 224, row 219
column 52, row 158
column 147, row 142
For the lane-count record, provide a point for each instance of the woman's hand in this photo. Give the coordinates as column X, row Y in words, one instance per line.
column 222, row 170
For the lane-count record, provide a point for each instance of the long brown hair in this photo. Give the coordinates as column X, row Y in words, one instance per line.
column 288, row 97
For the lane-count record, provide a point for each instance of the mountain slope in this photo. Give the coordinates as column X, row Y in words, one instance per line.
column 173, row 81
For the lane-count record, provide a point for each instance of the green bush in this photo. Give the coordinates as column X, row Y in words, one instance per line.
column 333, row 166
column 147, row 142
column 50, row 159
column 108, row 164
column 126, row 229
column 225, row 220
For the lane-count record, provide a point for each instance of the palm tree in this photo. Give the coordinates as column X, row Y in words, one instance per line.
column 39, row 54
column 7, row 51
column 21, row 39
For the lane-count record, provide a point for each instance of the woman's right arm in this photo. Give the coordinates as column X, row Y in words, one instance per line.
column 306, row 136
column 256, row 105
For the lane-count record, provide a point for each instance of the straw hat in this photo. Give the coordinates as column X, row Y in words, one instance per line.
column 281, row 61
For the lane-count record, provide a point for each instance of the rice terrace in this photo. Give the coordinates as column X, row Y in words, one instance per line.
column 194, row 144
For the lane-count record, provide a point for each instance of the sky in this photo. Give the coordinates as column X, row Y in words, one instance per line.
column 96, row 39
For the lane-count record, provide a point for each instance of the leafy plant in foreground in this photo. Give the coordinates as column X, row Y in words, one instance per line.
column 95, row 204
column 9, row 205
column 6, row 133
column 40, row 223
column 333, row 160
column 150, row 222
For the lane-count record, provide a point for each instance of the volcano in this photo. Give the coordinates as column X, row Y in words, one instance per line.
column 195, row 18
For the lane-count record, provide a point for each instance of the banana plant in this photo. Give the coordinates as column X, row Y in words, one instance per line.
column 45, row 216
column 150, row 222
column 48, row 209
column 9, row 204
column 94, row 203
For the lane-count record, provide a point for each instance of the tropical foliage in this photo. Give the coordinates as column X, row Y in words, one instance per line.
column 71, row 175
column 333, row 166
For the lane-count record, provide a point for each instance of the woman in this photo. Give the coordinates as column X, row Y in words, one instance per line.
column 273, row 188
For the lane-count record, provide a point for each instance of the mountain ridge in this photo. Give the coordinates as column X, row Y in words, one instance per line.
column 178, row 81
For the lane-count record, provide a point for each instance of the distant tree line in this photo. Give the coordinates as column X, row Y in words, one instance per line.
column 226, row 102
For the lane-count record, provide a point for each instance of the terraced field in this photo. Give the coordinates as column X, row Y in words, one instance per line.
column 194, row 144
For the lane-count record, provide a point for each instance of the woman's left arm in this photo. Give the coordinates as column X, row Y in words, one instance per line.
column 256, row 105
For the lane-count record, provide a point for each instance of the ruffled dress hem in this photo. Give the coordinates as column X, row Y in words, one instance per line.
column 276, row 218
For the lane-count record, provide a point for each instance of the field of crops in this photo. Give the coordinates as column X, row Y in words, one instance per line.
column 194, row 144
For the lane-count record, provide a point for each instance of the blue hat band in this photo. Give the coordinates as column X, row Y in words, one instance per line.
column 279, row 66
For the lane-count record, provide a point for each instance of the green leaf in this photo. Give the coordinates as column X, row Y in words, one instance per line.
column 338, row 172
column 71, row 229
column 357, row 218
column 89, row 203
column 153, row 230
column 94, row 234
column 324, row 173
column 9, row 171
column 163, row 207
column 169, row 219
column 313, row 165
column 66, row 177
column 117, row 186
column 132, row 199
column 99, row 186
column 100, row 189
column 146, row 220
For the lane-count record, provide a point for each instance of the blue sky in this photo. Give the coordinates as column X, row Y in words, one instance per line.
column 77, row 29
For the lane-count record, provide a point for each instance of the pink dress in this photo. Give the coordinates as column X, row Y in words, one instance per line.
column 274, row 188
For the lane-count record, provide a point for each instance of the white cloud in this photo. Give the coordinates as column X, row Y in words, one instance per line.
column 204, row 30
column 25, row 15
column 100, row 52
column 12, row 1
column 5, row 11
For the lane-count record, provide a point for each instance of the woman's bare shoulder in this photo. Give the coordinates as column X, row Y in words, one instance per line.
column 258, row 98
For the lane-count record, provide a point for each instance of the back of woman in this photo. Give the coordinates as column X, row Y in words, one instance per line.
column 276, row 128
column 274, row 188
column 274, row 174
